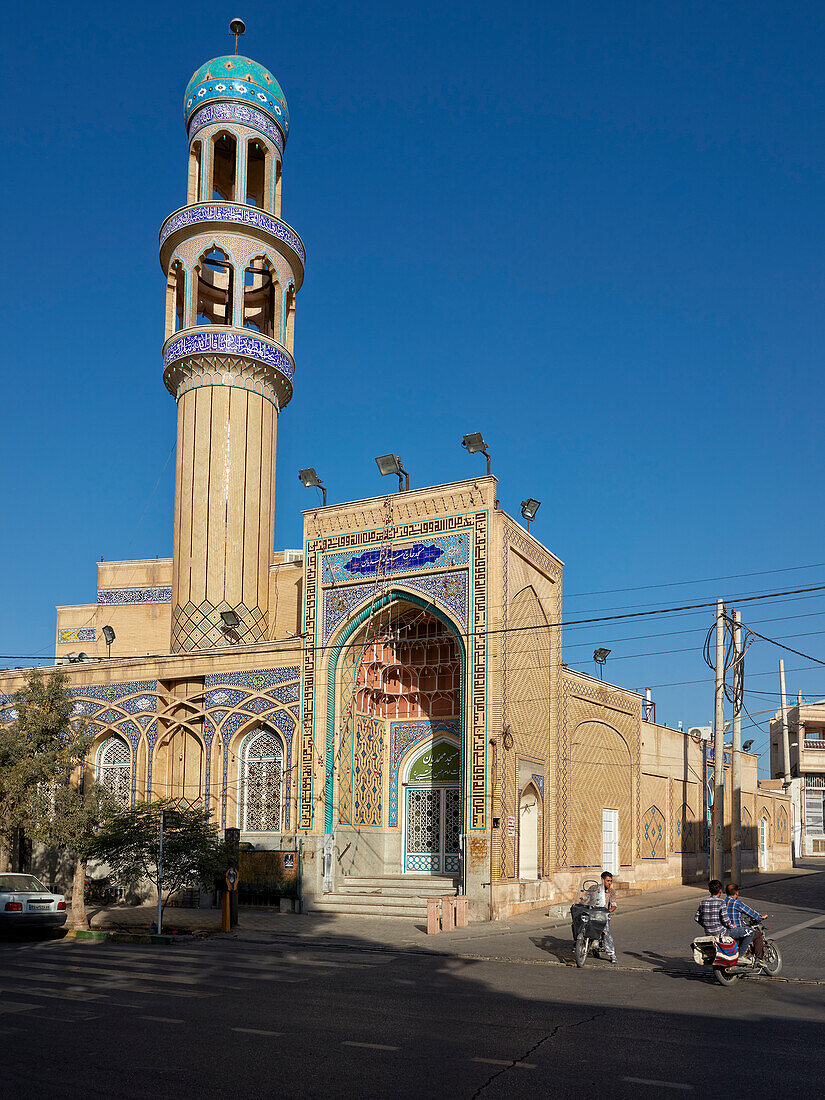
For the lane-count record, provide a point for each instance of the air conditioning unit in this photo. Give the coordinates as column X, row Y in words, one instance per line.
column 700, row 733
column 293, row 555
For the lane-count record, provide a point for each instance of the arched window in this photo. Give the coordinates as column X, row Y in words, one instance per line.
column 263, row 766
column 277, row 204
column 175, row 298
column 195, row 162
column 213, row 289
column 289, row 333
column 224, row 170
column 114, row 769
column 259, row 297
column 256, row 173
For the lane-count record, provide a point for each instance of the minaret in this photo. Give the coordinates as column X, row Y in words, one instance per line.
column 233, row 269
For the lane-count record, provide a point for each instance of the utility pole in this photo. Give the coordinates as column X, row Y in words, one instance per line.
column 160, row 872
column 736, row 761
column 717, row 844
column 786, row 748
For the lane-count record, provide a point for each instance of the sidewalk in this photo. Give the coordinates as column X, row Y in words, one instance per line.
column 523, row 938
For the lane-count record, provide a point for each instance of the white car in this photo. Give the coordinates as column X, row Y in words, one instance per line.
column 26, row 903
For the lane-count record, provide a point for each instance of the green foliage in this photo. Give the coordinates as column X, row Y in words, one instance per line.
column 129, row 843
column 39, row 749
column 77, row 817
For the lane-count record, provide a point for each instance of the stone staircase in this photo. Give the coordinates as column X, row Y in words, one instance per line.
column 384, row 896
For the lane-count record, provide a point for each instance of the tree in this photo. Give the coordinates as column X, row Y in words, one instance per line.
column 40, row 749
column 79, row 812
column 130, row 843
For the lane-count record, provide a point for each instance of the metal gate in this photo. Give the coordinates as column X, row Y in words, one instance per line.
column 432, row 827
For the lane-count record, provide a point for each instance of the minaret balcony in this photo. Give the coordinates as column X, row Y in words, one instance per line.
column 228, row 217
column 223, row 356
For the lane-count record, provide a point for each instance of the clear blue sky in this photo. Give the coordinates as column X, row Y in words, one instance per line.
column 593, row 232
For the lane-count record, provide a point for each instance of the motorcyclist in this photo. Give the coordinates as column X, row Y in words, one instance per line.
column 735, row 926
column 610, row 902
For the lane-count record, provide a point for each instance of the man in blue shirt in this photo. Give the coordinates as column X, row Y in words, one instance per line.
column 732, row 917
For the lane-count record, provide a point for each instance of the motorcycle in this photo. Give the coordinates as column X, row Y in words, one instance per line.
column 722, row 954
column 589, row 918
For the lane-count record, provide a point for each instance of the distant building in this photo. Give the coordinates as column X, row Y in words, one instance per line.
column 806, row 743
column 391, row 698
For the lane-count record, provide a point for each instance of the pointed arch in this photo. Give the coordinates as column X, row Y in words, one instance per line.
column 262, row 788
column 113, row 768
column 653, row 843
column 530, row 833
column 337, row 647
column 224, row 166
column 601, row 777
column 213, row 288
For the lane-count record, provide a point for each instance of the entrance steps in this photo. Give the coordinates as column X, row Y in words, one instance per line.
column 385, row 895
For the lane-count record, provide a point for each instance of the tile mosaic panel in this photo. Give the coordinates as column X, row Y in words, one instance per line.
column 414, row 557
column 228, row 342
column 451, row 590
column 367, row 778
column 77, row 634
column 154, row 594
column 233, row 214
column 236, row 112
column 403, row 736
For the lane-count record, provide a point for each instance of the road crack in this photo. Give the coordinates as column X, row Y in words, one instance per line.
column 523, row 1057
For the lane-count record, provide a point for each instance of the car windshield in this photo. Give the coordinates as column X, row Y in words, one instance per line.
column 24, row 883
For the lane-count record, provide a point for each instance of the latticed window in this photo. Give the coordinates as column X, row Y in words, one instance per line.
column 114, row 769
column 262, row 783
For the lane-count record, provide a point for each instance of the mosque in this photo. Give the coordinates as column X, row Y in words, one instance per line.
column 390, row 700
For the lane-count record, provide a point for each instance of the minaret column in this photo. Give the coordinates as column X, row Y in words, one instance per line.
column 230, row 266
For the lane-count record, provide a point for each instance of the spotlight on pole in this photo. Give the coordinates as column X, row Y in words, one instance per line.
column 391, row 464
column 310, row 479
column 474, row 442
column 600, row 656
column 529, row 508
column 108, row 637
column 747, row 746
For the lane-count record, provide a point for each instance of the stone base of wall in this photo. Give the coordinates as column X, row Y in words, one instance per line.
column 512, row 898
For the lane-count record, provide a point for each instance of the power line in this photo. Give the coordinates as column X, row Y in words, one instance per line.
column 704, row 606
column 698, row 580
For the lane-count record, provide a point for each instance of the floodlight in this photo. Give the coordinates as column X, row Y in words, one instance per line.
column 529, row 508
column 231, row 619
column 474, row 442
column 310, row 479
column 108, row 637
column 600, row 656
column 237, row 27
column 747, row 746
column 391, row 464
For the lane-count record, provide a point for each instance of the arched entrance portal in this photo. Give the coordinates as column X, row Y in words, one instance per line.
column 528, row 834
column 394, row 739
column 432, row 817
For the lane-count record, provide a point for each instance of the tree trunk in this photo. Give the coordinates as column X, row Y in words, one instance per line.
column 80, row 920
column 5, row 858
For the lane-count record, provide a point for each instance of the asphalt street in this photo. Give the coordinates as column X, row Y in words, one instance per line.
column 286, row 1014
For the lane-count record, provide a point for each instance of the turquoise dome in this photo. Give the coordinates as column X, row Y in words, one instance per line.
column 237, row 79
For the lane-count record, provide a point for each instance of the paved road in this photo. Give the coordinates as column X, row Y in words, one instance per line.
column 659, row 937
column 285, row 1017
